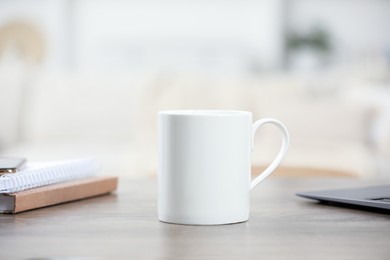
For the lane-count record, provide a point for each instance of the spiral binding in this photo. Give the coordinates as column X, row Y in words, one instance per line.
column 36, row 175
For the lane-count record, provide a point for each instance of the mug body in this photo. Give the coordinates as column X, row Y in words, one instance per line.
column 204, row 166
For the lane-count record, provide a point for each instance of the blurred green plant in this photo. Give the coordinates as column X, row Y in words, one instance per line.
column 316, row 39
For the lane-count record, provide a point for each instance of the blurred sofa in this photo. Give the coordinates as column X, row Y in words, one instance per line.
column 53, row 116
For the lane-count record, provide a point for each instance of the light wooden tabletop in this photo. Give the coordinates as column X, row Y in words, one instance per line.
column 125, row 226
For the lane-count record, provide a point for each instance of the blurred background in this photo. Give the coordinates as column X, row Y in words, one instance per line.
column 86, row 78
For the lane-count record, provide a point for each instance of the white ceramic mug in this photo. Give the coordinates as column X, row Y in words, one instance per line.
column 204, row 171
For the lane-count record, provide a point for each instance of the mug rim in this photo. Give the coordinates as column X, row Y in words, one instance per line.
column 204, row 112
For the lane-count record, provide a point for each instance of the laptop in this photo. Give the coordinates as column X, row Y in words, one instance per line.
column 368, row 198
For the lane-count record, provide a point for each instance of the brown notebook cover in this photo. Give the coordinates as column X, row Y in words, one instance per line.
column 56, row 194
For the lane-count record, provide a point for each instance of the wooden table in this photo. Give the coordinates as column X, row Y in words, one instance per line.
column 125, row 226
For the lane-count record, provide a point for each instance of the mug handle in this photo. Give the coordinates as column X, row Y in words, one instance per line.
column 281, row 154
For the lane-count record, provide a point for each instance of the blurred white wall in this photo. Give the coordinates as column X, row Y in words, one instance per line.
column 217, row 36
column 171, row 35
column 178, row 35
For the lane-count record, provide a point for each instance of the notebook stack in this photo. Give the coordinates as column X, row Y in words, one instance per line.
column 44, row 184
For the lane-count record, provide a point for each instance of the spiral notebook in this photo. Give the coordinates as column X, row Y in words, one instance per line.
column 36, row 175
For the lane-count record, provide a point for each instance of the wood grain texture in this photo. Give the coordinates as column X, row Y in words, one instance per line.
column 125, row 226
column 312, row 172
column 62, row 192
